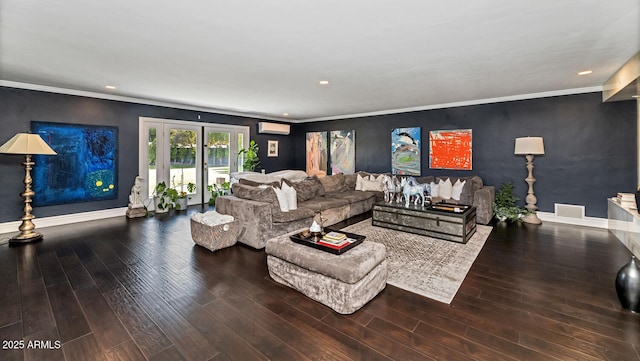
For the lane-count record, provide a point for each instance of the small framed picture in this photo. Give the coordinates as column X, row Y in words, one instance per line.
column 272, row 150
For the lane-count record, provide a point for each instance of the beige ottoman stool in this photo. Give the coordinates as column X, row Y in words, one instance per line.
column 343, row 282
column 213, row 230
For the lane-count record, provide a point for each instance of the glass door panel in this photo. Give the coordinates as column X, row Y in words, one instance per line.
column 218, row 156
column 152, row 159
column 183, row 160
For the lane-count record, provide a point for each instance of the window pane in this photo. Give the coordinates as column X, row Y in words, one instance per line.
column 151, row 161
column 218, row 157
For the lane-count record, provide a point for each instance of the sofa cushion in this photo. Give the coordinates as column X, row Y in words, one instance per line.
column 333, row 183
column 319, row 204
column 266, row 194
column 350, row 181
column 294, row 215
column 352, row 196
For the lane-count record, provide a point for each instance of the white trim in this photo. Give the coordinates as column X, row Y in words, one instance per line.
column 585, row 222
column 460, row 104
column 12, row 227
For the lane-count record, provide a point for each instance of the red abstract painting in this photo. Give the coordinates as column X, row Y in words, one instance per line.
column 450, row 149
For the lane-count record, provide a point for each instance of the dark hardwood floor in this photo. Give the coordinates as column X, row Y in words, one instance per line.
column 139, row 289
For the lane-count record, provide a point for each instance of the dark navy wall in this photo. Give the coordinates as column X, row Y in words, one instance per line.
column 18, row 107
column 590, row 146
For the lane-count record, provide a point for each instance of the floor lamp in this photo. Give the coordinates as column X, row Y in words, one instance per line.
column 28, row 145
column 530, row 146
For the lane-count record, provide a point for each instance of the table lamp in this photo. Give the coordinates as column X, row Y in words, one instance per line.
column 530, row 146
column 28, row 145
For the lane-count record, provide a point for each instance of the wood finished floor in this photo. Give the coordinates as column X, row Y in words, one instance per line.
column 139, row 289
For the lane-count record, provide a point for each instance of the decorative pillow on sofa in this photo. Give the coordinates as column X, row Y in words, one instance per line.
column 456, row 190
column 435, row 189
column 291, row 195
column 306, row 189
column 333, row 183
column 282, row 199
column 445, row 189
column 371, row 185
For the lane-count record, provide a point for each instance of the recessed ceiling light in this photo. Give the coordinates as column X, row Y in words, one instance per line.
column 285, row 114
column 110, row 87
column 324, row 82
column 586, row 72
column 636, row 96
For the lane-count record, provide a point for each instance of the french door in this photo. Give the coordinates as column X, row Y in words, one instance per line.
column 181, row 154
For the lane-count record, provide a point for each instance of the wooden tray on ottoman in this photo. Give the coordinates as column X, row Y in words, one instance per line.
column 215, row 237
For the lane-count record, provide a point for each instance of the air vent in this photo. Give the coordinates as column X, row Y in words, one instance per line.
column 569, row 211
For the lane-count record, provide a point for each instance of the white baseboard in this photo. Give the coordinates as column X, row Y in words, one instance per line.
column 11, row 227
column 585, row 221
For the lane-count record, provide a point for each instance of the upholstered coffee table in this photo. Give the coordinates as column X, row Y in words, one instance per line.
column 343, row 282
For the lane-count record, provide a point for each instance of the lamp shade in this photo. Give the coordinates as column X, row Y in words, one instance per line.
column 26, row 143
column 529, row 145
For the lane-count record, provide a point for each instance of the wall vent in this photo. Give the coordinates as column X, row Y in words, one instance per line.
column 569, row 211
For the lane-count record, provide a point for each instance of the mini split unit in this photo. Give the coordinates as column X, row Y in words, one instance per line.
column 273, row 128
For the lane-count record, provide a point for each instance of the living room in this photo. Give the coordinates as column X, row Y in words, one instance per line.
column 590, row 156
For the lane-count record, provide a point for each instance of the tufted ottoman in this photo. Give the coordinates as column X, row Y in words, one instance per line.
column 343, row 282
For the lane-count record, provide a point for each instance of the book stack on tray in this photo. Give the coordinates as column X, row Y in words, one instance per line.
column 335, row 240
column 332, row 241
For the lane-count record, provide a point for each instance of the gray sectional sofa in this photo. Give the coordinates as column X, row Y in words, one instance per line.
column 333, row 198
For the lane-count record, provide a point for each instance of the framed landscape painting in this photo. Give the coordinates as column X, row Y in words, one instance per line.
column 85, row 169
column 342, row 151
column 317, row 154
column 405, row 151
column 450, row 149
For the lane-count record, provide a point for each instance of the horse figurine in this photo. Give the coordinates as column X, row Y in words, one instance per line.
column 410, row 187
column 392, row 189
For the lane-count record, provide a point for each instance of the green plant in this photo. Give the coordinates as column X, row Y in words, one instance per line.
column 161, row 191
column 250, row 156
column 504, row 205
column 217, row 190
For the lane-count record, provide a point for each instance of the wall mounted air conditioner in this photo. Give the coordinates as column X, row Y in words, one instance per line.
column 273, row 128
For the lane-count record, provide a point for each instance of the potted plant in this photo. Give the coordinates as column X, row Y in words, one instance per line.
column 504, row 205
column 250, row 157
column 161, row 198
column 218, row 190
column 182, row 198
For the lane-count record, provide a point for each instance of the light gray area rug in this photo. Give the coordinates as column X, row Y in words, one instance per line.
column 427, row 266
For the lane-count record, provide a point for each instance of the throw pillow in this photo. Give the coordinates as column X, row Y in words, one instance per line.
column 456, row 191
column 333, row 183
column 371, row 185
column 282, row 199
column 359, row 180
column 445, row 189
column 305, row 189
column 434, row 189
column 291, row 194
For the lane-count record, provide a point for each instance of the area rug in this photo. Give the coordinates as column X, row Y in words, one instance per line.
column 424, row 265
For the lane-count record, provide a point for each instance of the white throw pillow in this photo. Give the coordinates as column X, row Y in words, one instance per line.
column 282, row 199
column 434, row 189
column 371, row 185
column 292, row 196
column 456, row 192
column 359, row 180
column 445, row 189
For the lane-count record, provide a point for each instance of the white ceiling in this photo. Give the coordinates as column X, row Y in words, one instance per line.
column 265, row 58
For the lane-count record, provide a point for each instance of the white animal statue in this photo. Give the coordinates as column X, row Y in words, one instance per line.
column 392, row 189
column 412, row 188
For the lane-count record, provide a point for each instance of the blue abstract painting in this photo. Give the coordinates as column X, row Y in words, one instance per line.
column 85, row 169
column 405, row 151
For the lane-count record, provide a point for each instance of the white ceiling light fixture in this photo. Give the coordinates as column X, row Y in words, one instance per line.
column 323, row 82
column 110, row 87
column 585, row 72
